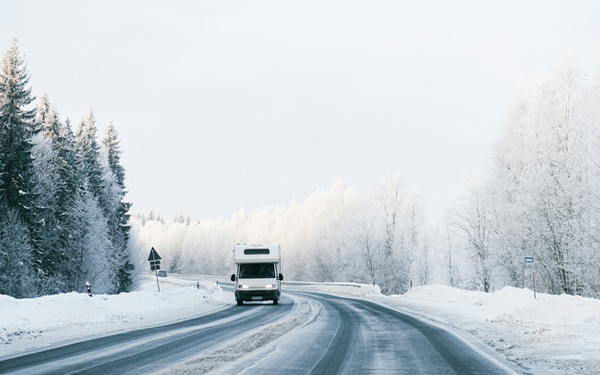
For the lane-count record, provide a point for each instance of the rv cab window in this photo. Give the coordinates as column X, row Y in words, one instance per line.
column 257, row 271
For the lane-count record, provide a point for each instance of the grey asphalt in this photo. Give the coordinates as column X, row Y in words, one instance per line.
column 354, row 336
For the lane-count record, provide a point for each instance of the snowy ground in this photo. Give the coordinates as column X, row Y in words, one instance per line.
column 29, row 324
column 547, row 335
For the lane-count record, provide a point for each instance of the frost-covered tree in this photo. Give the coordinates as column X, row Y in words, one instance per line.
column 473, row 222
column 71, row 201
column 53, row 201
column 539, row 197
column 16, row 261
column 450, row 258
column 117, row 209
column 17, row 123
column 17, row 194
column 417, row 242
column 368, row 246
column 97, row 197
column 391, row 262
column 89, row 153
column 399, row 236
column 46, row 180
column 566, row 183
column 63, row 215
column 95, row 256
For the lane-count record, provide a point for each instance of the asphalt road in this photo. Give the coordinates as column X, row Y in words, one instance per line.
column 344, row 336
column 353, row 336
column 146, row 350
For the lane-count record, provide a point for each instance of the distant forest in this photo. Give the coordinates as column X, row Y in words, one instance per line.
column 537, row 197
column 63, row 220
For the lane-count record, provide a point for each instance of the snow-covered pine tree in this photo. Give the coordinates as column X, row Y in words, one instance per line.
column 96, row 204
column 92, row 244
column 17, row 123
column 89, row 153
column 46, row 180
column 56, row 166
column 16, row 262
column 118, row 215
column 70, row 200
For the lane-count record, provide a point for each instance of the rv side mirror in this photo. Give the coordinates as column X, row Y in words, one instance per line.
column 233, row 277
column 280, row 277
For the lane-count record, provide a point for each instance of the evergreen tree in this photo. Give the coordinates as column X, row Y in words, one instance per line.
column 17, row 124
column 55, row 165
column 70, row 199
column 63, row 218
column 89, row 151
column 46, row 180
column 16, row 127
column 16, row 276
column 95, row 203
column 118, row 217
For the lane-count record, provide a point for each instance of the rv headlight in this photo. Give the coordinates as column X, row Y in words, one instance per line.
column 244, row 287
column 270, row 286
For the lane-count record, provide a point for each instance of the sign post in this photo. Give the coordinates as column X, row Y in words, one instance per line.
column 529, row 260
column 154, row 260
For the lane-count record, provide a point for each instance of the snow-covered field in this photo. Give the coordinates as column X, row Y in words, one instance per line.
column 547, row 335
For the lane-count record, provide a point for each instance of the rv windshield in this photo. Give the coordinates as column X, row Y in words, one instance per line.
column 257, row 271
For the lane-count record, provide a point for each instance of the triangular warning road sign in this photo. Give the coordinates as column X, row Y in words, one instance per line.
column 153, row 255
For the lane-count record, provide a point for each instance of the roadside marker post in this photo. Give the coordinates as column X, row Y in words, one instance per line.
column 154, row 260
column 534, row 294
column 530, row 261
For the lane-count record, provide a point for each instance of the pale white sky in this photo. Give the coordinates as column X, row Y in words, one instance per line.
column 227, row 104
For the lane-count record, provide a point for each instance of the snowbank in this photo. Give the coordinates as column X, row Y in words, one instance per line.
column 33, row 323
column 354, row 289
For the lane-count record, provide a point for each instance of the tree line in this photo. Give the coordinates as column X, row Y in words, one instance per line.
column 538, row 196
column 337, row 234
column 63, row 217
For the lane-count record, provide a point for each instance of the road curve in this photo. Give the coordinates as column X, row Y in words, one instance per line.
column 353, row 336
column 339, row 336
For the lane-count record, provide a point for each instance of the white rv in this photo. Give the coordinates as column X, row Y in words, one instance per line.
column 258, row 275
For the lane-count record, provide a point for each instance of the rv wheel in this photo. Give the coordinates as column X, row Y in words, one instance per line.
column 240, row 302
column 275, row 301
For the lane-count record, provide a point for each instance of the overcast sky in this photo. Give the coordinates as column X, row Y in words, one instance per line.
column 221, row 105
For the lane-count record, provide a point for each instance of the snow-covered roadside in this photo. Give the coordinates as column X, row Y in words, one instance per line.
column 30, row 324
column 547, row 335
